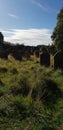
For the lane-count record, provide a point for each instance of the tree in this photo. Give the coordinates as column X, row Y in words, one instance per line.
column 52, row 49
column 57, row 35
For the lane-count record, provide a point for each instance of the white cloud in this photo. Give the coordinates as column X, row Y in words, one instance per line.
column 39, row 5
column 43, row 7
column 13, row 16
column 28, row 36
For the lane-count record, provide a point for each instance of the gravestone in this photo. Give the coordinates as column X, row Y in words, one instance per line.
column 17, row 55
column 58, row 60
column 36, row 53
column 45, row 58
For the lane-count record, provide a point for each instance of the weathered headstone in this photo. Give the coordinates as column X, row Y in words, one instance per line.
column 58, row 60
column 45, row 58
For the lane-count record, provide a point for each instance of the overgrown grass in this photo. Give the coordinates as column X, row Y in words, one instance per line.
column 30, row 96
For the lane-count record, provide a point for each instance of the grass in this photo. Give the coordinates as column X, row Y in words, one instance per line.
column 30, row 96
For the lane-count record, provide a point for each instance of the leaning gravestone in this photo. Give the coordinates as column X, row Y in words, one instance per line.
column 58, row 60
column 45, row 58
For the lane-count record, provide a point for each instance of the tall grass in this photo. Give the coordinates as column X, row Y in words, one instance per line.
column 30, row 96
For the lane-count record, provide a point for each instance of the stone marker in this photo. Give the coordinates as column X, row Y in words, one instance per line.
column 58, row 60
column 45, row 58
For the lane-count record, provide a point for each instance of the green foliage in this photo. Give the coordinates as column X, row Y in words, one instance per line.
column 52, row 49
column 23, row 106
column 57, row 35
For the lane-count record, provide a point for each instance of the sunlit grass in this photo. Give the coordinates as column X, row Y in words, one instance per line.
column 24, row 89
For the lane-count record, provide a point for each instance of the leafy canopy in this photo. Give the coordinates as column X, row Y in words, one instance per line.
column 57, row 35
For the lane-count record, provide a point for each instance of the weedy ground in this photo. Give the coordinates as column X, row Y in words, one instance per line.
column 31, row 96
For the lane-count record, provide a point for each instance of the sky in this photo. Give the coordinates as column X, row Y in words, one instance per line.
column 29, row 22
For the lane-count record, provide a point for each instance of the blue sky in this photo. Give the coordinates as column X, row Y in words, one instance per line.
column 28, row 21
